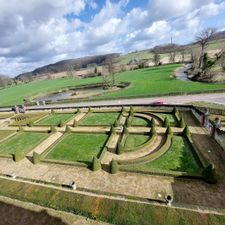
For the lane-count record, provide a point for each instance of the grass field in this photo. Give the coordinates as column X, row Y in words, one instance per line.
column 138, row 121
column 21, row 142
column 100, row 119
column 78, row 147
column 180, row 157
column 135, row 140
column 55, row 119
column 144, row 82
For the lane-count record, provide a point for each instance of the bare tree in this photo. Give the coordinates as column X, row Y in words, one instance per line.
column 203, row 39
column 110, row 62
column 156, row 58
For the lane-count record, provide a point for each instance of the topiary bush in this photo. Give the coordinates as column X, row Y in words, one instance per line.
column 119, row 149
column 30, row 124
column 96, row 164
column 169, row 131
column 153, row 131
column 113, row 130
column 21, row 128
column 128, row 122
column 52, row 111
column 153, row 124
column 18, row 155
column 125, row 130
column 210, row 175
column 175, row 111
column 182, row 123
column 68, row 130
column 36, row 158
column 166, row 122
column 53, row 129
column 114, row 168
column 116, row 124
column 186, row 131
column 75, row 123
column 60, row 124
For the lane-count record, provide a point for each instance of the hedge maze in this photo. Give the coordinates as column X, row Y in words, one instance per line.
column 132, row 139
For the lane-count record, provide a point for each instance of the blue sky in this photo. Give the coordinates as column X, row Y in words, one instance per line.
column 38, row 32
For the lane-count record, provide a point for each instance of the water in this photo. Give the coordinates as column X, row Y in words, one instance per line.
column 181, row 75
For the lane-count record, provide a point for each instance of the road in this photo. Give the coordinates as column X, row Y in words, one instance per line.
column 218, row 98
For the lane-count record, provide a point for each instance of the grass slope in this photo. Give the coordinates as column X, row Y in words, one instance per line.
column 78, row 147
column 144, row 82
column 138, row 121
column 135, row 140
column 117, row 212
column 23, row 141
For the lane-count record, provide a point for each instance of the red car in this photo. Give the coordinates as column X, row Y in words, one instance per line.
column 160, row 102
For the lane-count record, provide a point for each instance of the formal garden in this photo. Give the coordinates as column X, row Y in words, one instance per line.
column 147, row 142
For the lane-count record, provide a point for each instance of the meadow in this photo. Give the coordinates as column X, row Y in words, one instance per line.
column 143, row 82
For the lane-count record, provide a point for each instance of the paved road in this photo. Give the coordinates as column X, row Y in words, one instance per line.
column 181, row 99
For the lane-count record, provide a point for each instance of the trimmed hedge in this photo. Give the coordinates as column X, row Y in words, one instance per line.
column 114, row 168
column 151, row 156
column 96, row 164
column 36, row 158
column 119, row 149
column 210, row 174
column 182, row 123
column 18, row 156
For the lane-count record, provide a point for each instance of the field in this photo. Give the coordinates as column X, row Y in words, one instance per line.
column 122, row 167
column 143, row 82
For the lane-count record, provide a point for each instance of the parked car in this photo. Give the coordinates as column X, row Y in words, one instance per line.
column 160, row 102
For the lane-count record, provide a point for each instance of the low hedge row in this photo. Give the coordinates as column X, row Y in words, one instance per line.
column 151, row 156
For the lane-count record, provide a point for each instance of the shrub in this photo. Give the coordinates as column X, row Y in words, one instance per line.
column 21, row 127
column 60, row 124
column 175, row 111
column 75, row 123
column 114, row 168
column 166, row 122
column 53, row 129
column 119, row 149
column 113, row 130
column 78, row 111
column 18, row 155
column 116, row 124
column 30, row 124
column 153, row 131
column 89, row 109
column 210, row 175
column 182, row 123
column 169, row 131
column 96, row 164
column 186, row 131
column 128, row 122
column 125, row 130
column 153, row 122
column 68, row 130
column 36, row 158
column 52, row 111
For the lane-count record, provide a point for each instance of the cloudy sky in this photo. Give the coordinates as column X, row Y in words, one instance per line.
column 34, row 33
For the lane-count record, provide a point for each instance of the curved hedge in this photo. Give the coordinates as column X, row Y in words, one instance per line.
column 151, row 156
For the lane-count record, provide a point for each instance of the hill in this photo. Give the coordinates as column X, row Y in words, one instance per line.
column 68, row 65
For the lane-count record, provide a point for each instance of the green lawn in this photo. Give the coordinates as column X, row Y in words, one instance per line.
column 180, row 157
column 170, row 117
column 135, row 140
column 100, row 119
column 5, row 133
column 78, row 147
column 144, row 82
column 54, row 119
column 138, row 121
column 23, row 141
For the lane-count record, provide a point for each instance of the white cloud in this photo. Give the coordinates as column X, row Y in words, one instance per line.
column 37, row 32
